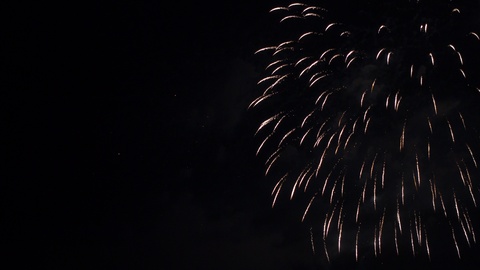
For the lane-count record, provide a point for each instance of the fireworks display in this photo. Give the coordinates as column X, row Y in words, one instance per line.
column 371, row 123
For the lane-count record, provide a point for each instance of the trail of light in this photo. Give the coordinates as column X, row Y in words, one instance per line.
column 455, row 241
column 456, row 205
column 396, row 240
column 265, row 49
column 427, row 246
column 348, row 55
column 322, row 56
column 463, row 121
column 271, row 65
column 302, row 59
column 470, row 226
column 279, row 68
column 381, row 231
column 403, row 191
column 311, row 241
column 443, row 205
column 402, row 137
column 339, row 137
column 291, row 17
column 326, row 251
column 266, row 122
column 306, row 118
column 430, row 122
column 380, row 52
column 304, row 173
column 298, row 182
column 347, row 141
column 326, row 182
column 428, row 149
column 361, row 170
column 461, row 174
column 366, row 126
column 330, row 25
column 277, row 188
column 415, row 183
column 307, row 69
column 322, row 76
column 343, row 183
column 373, row 165
column 374, row 194
column 314, row 8
column 356, row 243
column 432, row 190
column 465, row 232
column 319, row 139
column 434, row 108
column 460, row 58
column 340, row 236
column 418, row 169
column 362, row 98
column 279, row 122
column 350, row 62
column 297, row 5
column 281, row 49
column 364, row 190
column 264, row 141
column 271, row 164
column 333, row 190
column 259, row 100
column 358, row 209
column 333, row 58
column 308, row 206
column 273, row 85
column 325, row 232
column 382, row 27
column 308, row 181
column 340, row 217
column 399, row 221
column 325, row 101
column 411, row 239
column 383, row 174
column 286, row 136
column 305, row 135
column 366, row 113
column 278, row 8
column 475, row 35
column 418, row 228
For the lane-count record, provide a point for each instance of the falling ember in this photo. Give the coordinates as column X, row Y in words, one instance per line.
column 311, row 240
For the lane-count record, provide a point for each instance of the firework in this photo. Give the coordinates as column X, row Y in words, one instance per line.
column 372, row 122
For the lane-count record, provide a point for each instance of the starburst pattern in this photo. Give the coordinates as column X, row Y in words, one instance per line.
column 373, row 123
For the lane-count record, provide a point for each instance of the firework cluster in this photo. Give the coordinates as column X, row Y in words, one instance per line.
column 372, row 122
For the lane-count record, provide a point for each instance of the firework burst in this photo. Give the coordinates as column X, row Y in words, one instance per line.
column 372, row 122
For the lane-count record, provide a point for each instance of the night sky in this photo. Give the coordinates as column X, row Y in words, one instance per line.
column 129, row 145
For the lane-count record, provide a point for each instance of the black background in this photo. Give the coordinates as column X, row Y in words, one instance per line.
column 128, row 144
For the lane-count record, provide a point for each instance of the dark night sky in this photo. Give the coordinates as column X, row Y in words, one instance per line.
column 128, row 143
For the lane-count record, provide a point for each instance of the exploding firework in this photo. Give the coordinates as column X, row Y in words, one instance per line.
column 372, row 123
